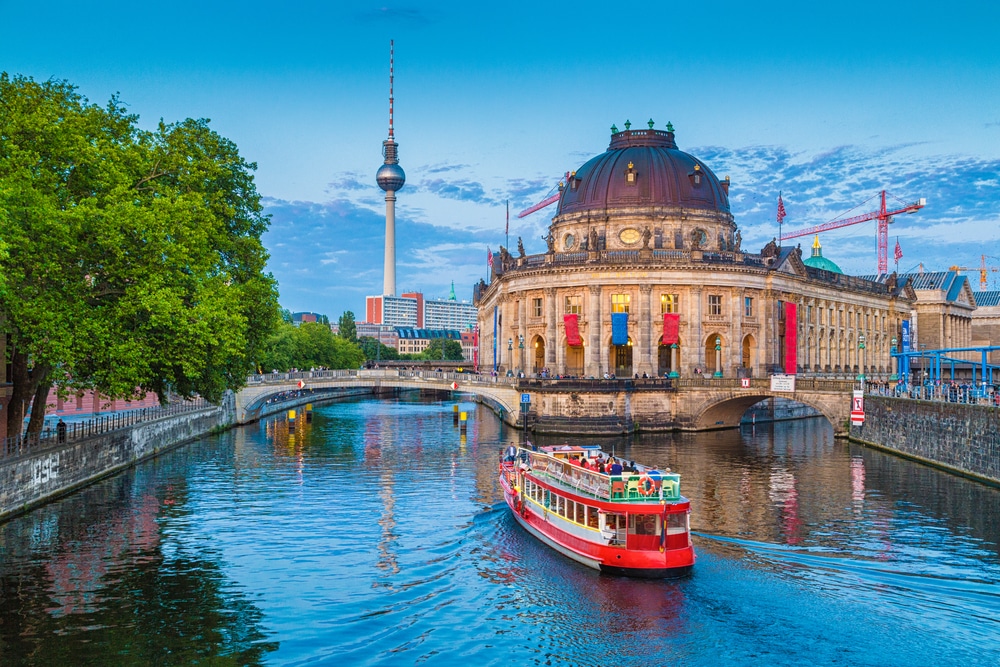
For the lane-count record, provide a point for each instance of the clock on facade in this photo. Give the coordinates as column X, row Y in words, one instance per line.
column 628, row 236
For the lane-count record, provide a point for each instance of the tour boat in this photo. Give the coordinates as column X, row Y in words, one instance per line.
column 633, row 523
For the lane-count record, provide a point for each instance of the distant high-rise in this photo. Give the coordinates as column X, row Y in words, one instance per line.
column 390, row 177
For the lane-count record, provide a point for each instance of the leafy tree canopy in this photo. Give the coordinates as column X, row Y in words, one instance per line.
column 452, row 350
column 310, row 345
column 348, row 329
column 133, row 258
column 374, row 350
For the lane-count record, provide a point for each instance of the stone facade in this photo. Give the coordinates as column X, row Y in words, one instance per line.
column 673, row 248
column 961, row 438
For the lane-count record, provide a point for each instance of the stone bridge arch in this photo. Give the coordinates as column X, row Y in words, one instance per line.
column 724, row 409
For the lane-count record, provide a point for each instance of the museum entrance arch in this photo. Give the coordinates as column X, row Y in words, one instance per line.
column 713, row 357
column 746, row 360
column 574, row 360
column 621, row 359
column 665, row 360
column 538, row 360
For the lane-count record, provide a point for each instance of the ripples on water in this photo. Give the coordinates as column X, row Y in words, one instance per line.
column 375, row 536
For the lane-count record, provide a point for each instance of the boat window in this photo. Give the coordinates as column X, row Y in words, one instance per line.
column 561, row 505
column 677, row 523
column 592, row 517
column 580, row 514
column 569, row 509
column 644, row 524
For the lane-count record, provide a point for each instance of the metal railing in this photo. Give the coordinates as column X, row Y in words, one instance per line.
column 59, row 434
column 946, row 393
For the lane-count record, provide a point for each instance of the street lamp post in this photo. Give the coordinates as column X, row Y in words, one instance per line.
column 520, row 354
column 718, row 357
column 510, row 356
column 862, row 351
column 894, row 361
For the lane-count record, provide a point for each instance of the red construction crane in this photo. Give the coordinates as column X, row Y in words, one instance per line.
column 550, row 198
column 884, row 218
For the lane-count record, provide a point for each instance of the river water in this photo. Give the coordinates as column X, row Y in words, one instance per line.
column 376, row 536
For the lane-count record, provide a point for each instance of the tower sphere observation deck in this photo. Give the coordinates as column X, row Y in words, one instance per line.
column 390, row 177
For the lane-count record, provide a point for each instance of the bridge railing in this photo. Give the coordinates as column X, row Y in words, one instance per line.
column 801, row 383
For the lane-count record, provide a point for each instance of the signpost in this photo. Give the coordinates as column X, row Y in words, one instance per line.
column 525, row 406
column 745, row 383
column 858, row 408
column 783, row 383
column 454, row 386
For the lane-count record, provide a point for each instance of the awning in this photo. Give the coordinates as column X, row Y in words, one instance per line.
column 572, row 330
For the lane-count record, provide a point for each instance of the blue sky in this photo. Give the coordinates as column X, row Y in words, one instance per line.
column 494, row 101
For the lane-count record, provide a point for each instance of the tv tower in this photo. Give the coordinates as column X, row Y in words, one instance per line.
column 390, row 177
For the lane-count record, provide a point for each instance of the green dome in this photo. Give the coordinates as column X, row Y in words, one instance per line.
column 818, row 261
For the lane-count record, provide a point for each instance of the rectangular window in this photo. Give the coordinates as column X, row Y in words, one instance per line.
column 573, row 305
column 580, row 514
column 536, row 306
column 620, row 303
column 809, row 314
column 748, row 306
column 714, row 304
column 670, row 303
column 592, row 517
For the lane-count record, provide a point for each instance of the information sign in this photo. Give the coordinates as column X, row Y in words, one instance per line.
column 745, row 383
column 783, row 383
column 526, row 398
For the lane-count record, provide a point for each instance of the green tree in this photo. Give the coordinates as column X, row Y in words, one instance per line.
column 134, row 258
column 310, row 345
column 348, row 329
column 452, row 350
column 374, row 350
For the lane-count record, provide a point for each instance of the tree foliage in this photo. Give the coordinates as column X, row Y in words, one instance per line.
column 375, row 350
column 452, row 350
column 346, row 326
column 133, row 258
column 310, row 345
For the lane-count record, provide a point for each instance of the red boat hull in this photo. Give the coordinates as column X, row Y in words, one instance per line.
column 586, row 546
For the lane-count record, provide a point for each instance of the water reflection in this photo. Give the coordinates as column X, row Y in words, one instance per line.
column 376, row 535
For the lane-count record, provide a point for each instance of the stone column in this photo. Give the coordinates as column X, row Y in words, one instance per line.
column 521, row 353
column 646, row 336
column 551, row 332
column 593, row 354
column 695, row 346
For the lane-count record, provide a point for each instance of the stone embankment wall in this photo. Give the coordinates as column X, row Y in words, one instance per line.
column 38, row 477
column 961, row 438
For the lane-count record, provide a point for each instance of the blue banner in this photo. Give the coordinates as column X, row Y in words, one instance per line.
column 906, row 336
column 619, row 328
column 904, row 362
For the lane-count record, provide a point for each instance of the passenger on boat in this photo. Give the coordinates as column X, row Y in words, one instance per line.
column 615, row 468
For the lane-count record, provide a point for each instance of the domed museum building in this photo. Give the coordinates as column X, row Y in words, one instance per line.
column 645, row 274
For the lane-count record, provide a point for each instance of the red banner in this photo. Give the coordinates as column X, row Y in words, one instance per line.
column 671, row 328
column 572, row 330
column 791, row 339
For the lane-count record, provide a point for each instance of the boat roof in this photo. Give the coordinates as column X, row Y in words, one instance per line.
column 569, row 449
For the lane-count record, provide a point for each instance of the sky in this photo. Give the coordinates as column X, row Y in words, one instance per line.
column 826, row 104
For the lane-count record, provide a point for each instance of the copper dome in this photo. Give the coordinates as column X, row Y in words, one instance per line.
column 643, row 168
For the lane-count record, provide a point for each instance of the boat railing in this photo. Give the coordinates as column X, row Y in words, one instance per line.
column 646, row 486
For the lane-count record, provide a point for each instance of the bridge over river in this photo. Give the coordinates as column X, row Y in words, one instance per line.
column 560, row 406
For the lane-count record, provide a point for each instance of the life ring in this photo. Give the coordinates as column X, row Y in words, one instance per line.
column 647, row 486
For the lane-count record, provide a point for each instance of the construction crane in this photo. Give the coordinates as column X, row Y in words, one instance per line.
column 983, row 269
column 550, row 198
column 884, row 217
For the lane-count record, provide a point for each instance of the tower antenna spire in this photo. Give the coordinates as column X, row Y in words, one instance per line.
column 391, row 53
column 390, row 177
